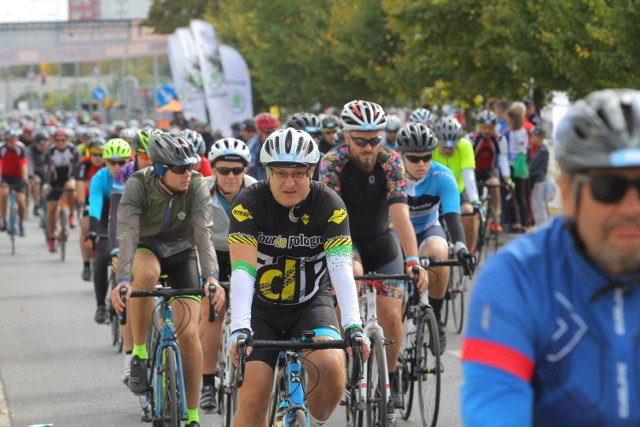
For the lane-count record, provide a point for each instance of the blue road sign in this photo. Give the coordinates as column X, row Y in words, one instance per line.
column 99, row 94
column 165, row 94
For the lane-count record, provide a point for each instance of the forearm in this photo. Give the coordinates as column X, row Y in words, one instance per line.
column 243, row 276
column 469, row 177
column 341, row 273
column 455, row 227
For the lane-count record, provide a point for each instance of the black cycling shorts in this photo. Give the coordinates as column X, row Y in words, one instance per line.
column 181, row 269
column 15, row 183
column 316, row 315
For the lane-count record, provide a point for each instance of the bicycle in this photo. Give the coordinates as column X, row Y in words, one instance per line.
column 13, row 222
column 61, row 233
column 488, row 237
column 165, row 402
column 372, row 395
column 226, row 374
column 420, row 354
column 287, row 407
column 43, row 217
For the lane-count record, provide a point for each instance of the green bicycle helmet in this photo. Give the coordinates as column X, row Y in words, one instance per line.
column 116, row 148
column 141, row 140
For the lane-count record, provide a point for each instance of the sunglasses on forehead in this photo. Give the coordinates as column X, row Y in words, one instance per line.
column 180, row 170
column 608, row 189
column 416, row 159
column 226, row 171
column 362, row 142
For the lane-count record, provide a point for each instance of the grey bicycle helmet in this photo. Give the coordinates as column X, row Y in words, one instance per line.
column 393, row 123
column 230, row 149
column 449, row 131
column 416, row 138
column 600, row 131
column 307, row 122
column 424, row 116
column 330, row 121
column 171, row 149
column 487, row 117
column 97, row 143
column 363, row 116
column 196, row 139
column 289, row 148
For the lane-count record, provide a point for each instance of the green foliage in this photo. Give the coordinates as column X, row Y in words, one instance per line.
column 407, row 52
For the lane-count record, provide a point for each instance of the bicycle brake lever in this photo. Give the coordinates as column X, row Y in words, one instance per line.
column 213, row 314
column 123, row 297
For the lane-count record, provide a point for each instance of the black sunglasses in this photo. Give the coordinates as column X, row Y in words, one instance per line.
column 226, row 171
column 180, row 170
column 96, row 154
column 117, row 162
column 362, row 142
column 416, row 159
column 609, row 189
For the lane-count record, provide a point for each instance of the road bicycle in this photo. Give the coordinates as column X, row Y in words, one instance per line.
column 13, row 221
column 287, row 407
column 420, row 354
column 488, row 237
column 165, row 402
column 226, row 373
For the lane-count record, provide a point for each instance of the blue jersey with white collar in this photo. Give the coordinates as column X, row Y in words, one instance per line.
column 437, row 188
column 538, row 351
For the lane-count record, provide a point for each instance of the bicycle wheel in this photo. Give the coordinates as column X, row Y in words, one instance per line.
column 406, row 363
column 352, row 404
column 493, row 240
column 428, row 368
column 228, row 392
column 456, row 300
column 166, row 391
column 276, row 392
column 377, row 375
column 62, row 234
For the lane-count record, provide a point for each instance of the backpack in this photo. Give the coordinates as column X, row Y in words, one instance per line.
column 486, row 152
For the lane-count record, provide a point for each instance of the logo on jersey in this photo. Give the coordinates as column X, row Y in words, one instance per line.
column 241, row 214
column 305, row 219
column 298, row 241
column 338, row 216
column 182, row 216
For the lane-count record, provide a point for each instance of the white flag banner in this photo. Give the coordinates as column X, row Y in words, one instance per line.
column 186, row 76
column 238, row 79
column 215, row 86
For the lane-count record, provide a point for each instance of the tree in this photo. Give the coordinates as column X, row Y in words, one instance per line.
column 167, row 15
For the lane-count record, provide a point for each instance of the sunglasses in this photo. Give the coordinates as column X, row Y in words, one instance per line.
column 416, row 159
column 609, row 189
column 96, row 154
column 61, row 139
column 362, row 142
column 226, row 171
column 180, row 170
column 117, row 162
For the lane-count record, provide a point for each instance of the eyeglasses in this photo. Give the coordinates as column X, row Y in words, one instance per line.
column 180, row 170
column 329, row 131
column 60, row 140
column 416, row 159
column 297, row 175
column 608, row 189
column 117, row 162
column 96, row 154
column 362, row 142
column 226, row 171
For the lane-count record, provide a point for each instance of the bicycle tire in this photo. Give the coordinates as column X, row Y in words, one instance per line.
column 62, row 234
column 457, row 306
column 229, row 393
column 428, row 368
column 493, row 241
column 354, row 415
column 406, row 363
column 276, row 392
column 13, row 225
column 377, row 375
column 168, row 389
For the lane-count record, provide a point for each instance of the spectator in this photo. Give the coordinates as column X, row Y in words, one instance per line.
column 537, row 175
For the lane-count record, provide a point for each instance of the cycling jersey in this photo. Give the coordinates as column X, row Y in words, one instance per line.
column 297, row 246
column 426, row 195
column 86, row 171
column 12, row 160
column 487, row 159
column 462, row 158
column 122, row 176
column 168, row 224
column 60, row 164
column 99, row 196
column 36, row 161
column 539, row 351
column 367, row 196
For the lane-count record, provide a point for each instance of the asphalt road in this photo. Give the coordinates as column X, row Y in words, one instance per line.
column 58, row 367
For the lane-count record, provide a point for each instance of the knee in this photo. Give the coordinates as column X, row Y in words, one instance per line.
column 145, row 279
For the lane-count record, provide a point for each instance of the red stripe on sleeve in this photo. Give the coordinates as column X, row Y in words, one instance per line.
column 498, row 356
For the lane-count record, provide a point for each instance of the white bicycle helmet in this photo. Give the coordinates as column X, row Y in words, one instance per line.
column 230, row 149
column 289, row 148
column 424, row 116
column 449, row 131
column 393, row 123
column 600, row 131
column 363, row 116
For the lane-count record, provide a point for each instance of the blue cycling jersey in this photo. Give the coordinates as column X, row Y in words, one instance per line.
column 100, row 189
column 437, row 188
column 538, row 351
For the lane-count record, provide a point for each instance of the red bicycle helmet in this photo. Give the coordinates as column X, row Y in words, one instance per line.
column 266, row 121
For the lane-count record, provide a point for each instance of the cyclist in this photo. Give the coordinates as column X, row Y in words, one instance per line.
column 491, row 158
column 247, row 129
column 424, row 116
column 391, row 131
column 456, row 153
column 116, row 153
column 87, row 168
column 165, row 224
column 431, row 186
column 285, row 235
column 35, row 156
column 200, row 147
column 141, row 160
column 60, row 162
column 229, row 158
column 311, row 124
column 552, row 336
column 266, row 123
column 371, row 180
column 330, row 125
column 14, row 174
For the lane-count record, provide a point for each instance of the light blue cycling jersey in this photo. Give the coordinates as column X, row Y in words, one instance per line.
column 539, row 351
column 100, row 188
column 437, row 188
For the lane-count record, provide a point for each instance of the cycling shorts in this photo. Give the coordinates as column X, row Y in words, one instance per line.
column 383, row 255
column 15, row 183
column 432, row 233
column 318, row 315
column 485, row 176
column 181, row 269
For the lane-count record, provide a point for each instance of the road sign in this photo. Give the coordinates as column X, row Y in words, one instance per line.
column 99, row 94
column 165, row 94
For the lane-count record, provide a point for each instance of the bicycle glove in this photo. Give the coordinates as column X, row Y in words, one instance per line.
column 240, row 334
column 352, row 333
column 467, row 259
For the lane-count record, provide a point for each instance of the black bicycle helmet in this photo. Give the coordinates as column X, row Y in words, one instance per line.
column 416, row 138
column 307, row 122
column 171, row 149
